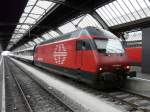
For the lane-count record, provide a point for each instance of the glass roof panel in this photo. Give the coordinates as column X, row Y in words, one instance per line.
column 26, row 45
column 143, row 6
column 30, row 20
column 53, row 33
column 44, row 4
column 120, row 9
column 46, row 36
column 37, row 41
column 33, row 12
column 41, row 40
column 86, row 20
column 24, row 14
column 21, row 20
column 117, row 13
column 25, row 26
column 13, row 39
column 147, row 2
column 104, row 17
column 28, row 9
column 18, row 26
column 126, row 9
column 109, row 15
column 132, row 9
column 113, row 14
column 31, row 43
column 32, row 2
column 123, row 11
column 38, row 10
column 36, row 16
column 69, row 27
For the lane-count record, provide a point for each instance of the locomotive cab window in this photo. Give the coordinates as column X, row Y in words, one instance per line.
column 109, row 46
column 83, row 45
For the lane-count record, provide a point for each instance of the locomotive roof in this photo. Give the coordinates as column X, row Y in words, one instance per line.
column 89, row 31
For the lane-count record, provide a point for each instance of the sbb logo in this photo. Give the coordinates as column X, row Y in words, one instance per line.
column 60, row 54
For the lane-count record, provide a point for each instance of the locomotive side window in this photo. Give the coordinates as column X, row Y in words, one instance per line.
column 83, row 45
column 79, row 44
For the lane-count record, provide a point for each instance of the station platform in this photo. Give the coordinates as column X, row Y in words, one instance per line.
column 139, row 84
column 0, row 81
column 141, row 75
column 2, row 86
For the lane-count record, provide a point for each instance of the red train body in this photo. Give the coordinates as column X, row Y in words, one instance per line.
column 92, row 55
column 134, row 54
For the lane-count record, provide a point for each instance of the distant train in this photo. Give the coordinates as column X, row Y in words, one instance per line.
column 135, row 55
column 95, row 56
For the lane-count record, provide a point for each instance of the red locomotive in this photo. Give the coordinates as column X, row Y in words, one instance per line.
column 93, row 55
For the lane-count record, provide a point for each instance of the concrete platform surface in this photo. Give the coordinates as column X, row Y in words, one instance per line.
column 141, row 75
column 139, row 84
column 2, row 86
column 0, row 60
column 1, row 77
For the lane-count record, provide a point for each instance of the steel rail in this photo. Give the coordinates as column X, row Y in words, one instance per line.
column 47, row 90
column 21, row 91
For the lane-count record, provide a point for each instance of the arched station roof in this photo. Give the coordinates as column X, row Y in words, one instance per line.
column 44, row 19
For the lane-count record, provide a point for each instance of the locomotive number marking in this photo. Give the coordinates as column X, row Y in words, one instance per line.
column 60, row 54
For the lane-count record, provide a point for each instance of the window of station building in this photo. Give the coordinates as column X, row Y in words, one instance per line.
column 123, row 11
column 134, row 36
column 33, row 12
column 133, row 39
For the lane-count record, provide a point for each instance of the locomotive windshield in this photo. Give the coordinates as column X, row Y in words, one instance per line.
column 109, row 45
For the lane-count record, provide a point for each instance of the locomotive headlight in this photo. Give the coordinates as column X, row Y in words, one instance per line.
column 127, row 67
column 100, row 69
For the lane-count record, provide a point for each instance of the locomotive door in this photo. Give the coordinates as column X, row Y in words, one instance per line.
column 82, row 47
column 85, row 57
column 79, row 54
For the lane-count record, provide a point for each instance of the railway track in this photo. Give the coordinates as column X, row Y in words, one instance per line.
column 124, row 99
column 35, row 97
column 130, row 101
column 137, row 102
column 15, row 98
